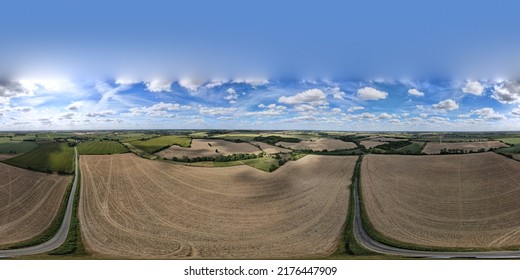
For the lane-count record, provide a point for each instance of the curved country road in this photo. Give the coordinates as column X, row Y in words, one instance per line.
column 366, row 241
column 62, row 233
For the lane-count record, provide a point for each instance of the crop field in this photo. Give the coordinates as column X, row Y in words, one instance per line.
column 388, row 139
column 414, row 148
column 136, row 208
column 48, row 157
column 371, row 144
column 101, row 148
column 516, row 156
column 456, row 201
column 511, row 141
column 13, row 147
column 209, row 148
column 159, row 143
column 319, row 145
column 270, row 149
column 436, row 147
column 29, row 202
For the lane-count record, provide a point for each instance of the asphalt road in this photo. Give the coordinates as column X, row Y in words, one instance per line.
column 62, row 233
column 366, row 241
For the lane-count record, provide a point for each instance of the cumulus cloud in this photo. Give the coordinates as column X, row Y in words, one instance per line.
column 252, row 81
column 159, row 109
column 216, row 110
column 405, row 115
column 446, row 105
column 306, row 108
column 67, row 116
column 337, row 93
column 384, row 116
column 311, row 96
column 159, row 85
column 473, row 87
column 507, row 93
column 232, row 95
column 12, row 89
column 516, row 111
column 100, row 114
column 488, row 114
column 271, row 110
column 191, row 84
column 355, row 108
column 74, row 106
column 423, row 115
column 370, row 93
column 415, row 92
column 336, row 110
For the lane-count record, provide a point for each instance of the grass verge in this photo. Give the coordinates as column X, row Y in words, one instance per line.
column 73, row 245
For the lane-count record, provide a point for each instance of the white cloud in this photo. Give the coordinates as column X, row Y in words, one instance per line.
column 370, row 93
column 49, row 85
column 159, row 109
column 252, row 81
column 488, row 114
column 423, row 115
column 337, row 93
column 74, row 106
column 100, row 114
column 159, row 85
column 67, row 116
column 464, row 116
column 232, row 95
column 215, row 83
column 473, row 87
column 384, row 116
column 419, row 107
column 336, row 110
column 508, row 92
column 191, row 84
column 272, row 110
column 126, row 81
column 12, row 89
column 446, row 105
column 516, row 111
column 306, row 108
column 311, row 96
column 415, row 92
column 355, row 108
column 405, row 115
column 216, row 110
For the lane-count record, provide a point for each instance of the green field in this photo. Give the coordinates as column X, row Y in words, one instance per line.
column 160, row 143
column 414, row 148
column 48, row 157
column 15, row 147
column 101, row 148
column 262, row 163
column 509, row 150
column 510, row 141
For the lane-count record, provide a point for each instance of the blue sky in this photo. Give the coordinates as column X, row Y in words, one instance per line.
column 375, row 65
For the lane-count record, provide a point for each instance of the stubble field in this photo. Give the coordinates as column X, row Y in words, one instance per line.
column 29, row 202
column 319, row 145
column 436, row 147
column 444, row 201
column 208, row 148
column 136, row 208
column 270, row 149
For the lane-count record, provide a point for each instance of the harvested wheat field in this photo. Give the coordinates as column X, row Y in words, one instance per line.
column 137, row 208
column 270, row 149
column 371, row 144
column 319, row 145
column 470, row 200
column 516, row 156
column 436, row 147
column 29, row 202
column 208, row 148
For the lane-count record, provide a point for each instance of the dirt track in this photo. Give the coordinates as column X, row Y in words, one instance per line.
column 136, row 208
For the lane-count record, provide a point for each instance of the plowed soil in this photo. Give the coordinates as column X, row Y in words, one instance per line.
column 136, row 208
